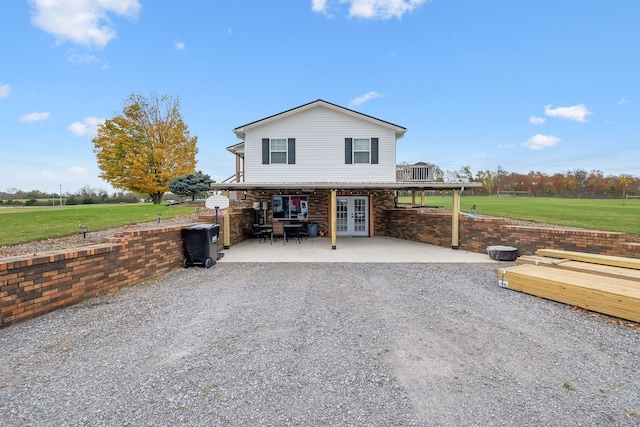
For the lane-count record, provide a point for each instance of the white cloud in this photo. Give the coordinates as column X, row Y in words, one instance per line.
column 5, row 90
column 35, row 117
column 540, row 142
column 81, row 59
column 370, row 9
column 364, row 98
column 621, row 102
column 88, row 127
column 534, row 120
column 45, row 174
column 319, row 6
column 578, row 112
column 507, row 146
column 479, row 155
column 77, row 171
column 179, row 45
column 83, row 22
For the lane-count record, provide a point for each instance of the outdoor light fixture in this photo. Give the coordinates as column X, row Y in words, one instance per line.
column 159, row 217
column 83, row 228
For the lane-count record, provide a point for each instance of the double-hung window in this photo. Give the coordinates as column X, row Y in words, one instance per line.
column 278, row 150
column 361, row 150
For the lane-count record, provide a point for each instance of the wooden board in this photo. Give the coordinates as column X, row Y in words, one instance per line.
column 609, row 295
column 539, row 260
column 592, row 258
column 600, row 269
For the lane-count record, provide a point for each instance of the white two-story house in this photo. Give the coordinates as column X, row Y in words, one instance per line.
column 325, row 164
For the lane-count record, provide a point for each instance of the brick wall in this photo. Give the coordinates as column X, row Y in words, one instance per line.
column 34, row 285
column 434, row 226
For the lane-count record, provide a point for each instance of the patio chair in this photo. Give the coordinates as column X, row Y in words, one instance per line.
column 304, row 231
column 257, row 233
column 278, row 230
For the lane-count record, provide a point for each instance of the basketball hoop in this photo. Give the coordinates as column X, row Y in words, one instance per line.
column 219, row 203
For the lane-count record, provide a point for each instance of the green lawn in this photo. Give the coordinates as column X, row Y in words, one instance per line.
column 605, row 214
column 27, row 224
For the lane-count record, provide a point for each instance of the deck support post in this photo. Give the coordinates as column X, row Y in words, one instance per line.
column 334, row 218
column 227, row 227
column 455, row 232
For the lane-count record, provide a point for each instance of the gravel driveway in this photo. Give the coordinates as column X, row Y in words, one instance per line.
column 321, row 345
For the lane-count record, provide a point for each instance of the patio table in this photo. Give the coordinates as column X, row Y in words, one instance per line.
column 293, row 230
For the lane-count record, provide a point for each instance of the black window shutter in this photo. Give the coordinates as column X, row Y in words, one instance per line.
column 374, row 151
column 348, row 151
column 291, row 157
column 265, row 151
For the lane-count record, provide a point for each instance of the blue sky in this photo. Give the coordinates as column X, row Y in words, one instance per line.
column 541, row 85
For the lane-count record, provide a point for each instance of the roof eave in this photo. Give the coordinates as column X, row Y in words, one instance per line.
column 415, row 186
column 236, row 148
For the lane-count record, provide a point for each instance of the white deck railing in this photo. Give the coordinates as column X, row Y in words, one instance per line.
column 414, row 173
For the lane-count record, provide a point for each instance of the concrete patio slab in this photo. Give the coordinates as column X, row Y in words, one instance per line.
column 349, row 249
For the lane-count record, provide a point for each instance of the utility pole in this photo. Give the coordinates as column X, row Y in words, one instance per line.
column 60, row 195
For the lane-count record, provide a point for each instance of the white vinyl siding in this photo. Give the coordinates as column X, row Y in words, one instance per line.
column 320, row 134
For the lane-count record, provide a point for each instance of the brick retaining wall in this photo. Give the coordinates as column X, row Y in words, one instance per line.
column 34, row 285
column 434, row 226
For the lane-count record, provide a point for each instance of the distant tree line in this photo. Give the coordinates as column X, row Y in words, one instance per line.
column 577, row 183
column 85, row 196
column 191, row 185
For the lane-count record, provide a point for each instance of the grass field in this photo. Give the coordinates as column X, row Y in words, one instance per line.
column 601, row 214
column 27, row 224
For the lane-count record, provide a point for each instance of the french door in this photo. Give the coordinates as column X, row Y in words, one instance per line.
column 352, row 216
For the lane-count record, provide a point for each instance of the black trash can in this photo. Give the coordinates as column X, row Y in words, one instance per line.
column 200, row 245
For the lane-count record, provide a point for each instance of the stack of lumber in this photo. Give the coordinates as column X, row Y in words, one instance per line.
column 605, row 284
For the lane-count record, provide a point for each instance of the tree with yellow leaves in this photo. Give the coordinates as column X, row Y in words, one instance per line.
column 146, row 147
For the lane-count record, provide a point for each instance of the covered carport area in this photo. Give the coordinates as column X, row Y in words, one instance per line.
column 334, row 188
